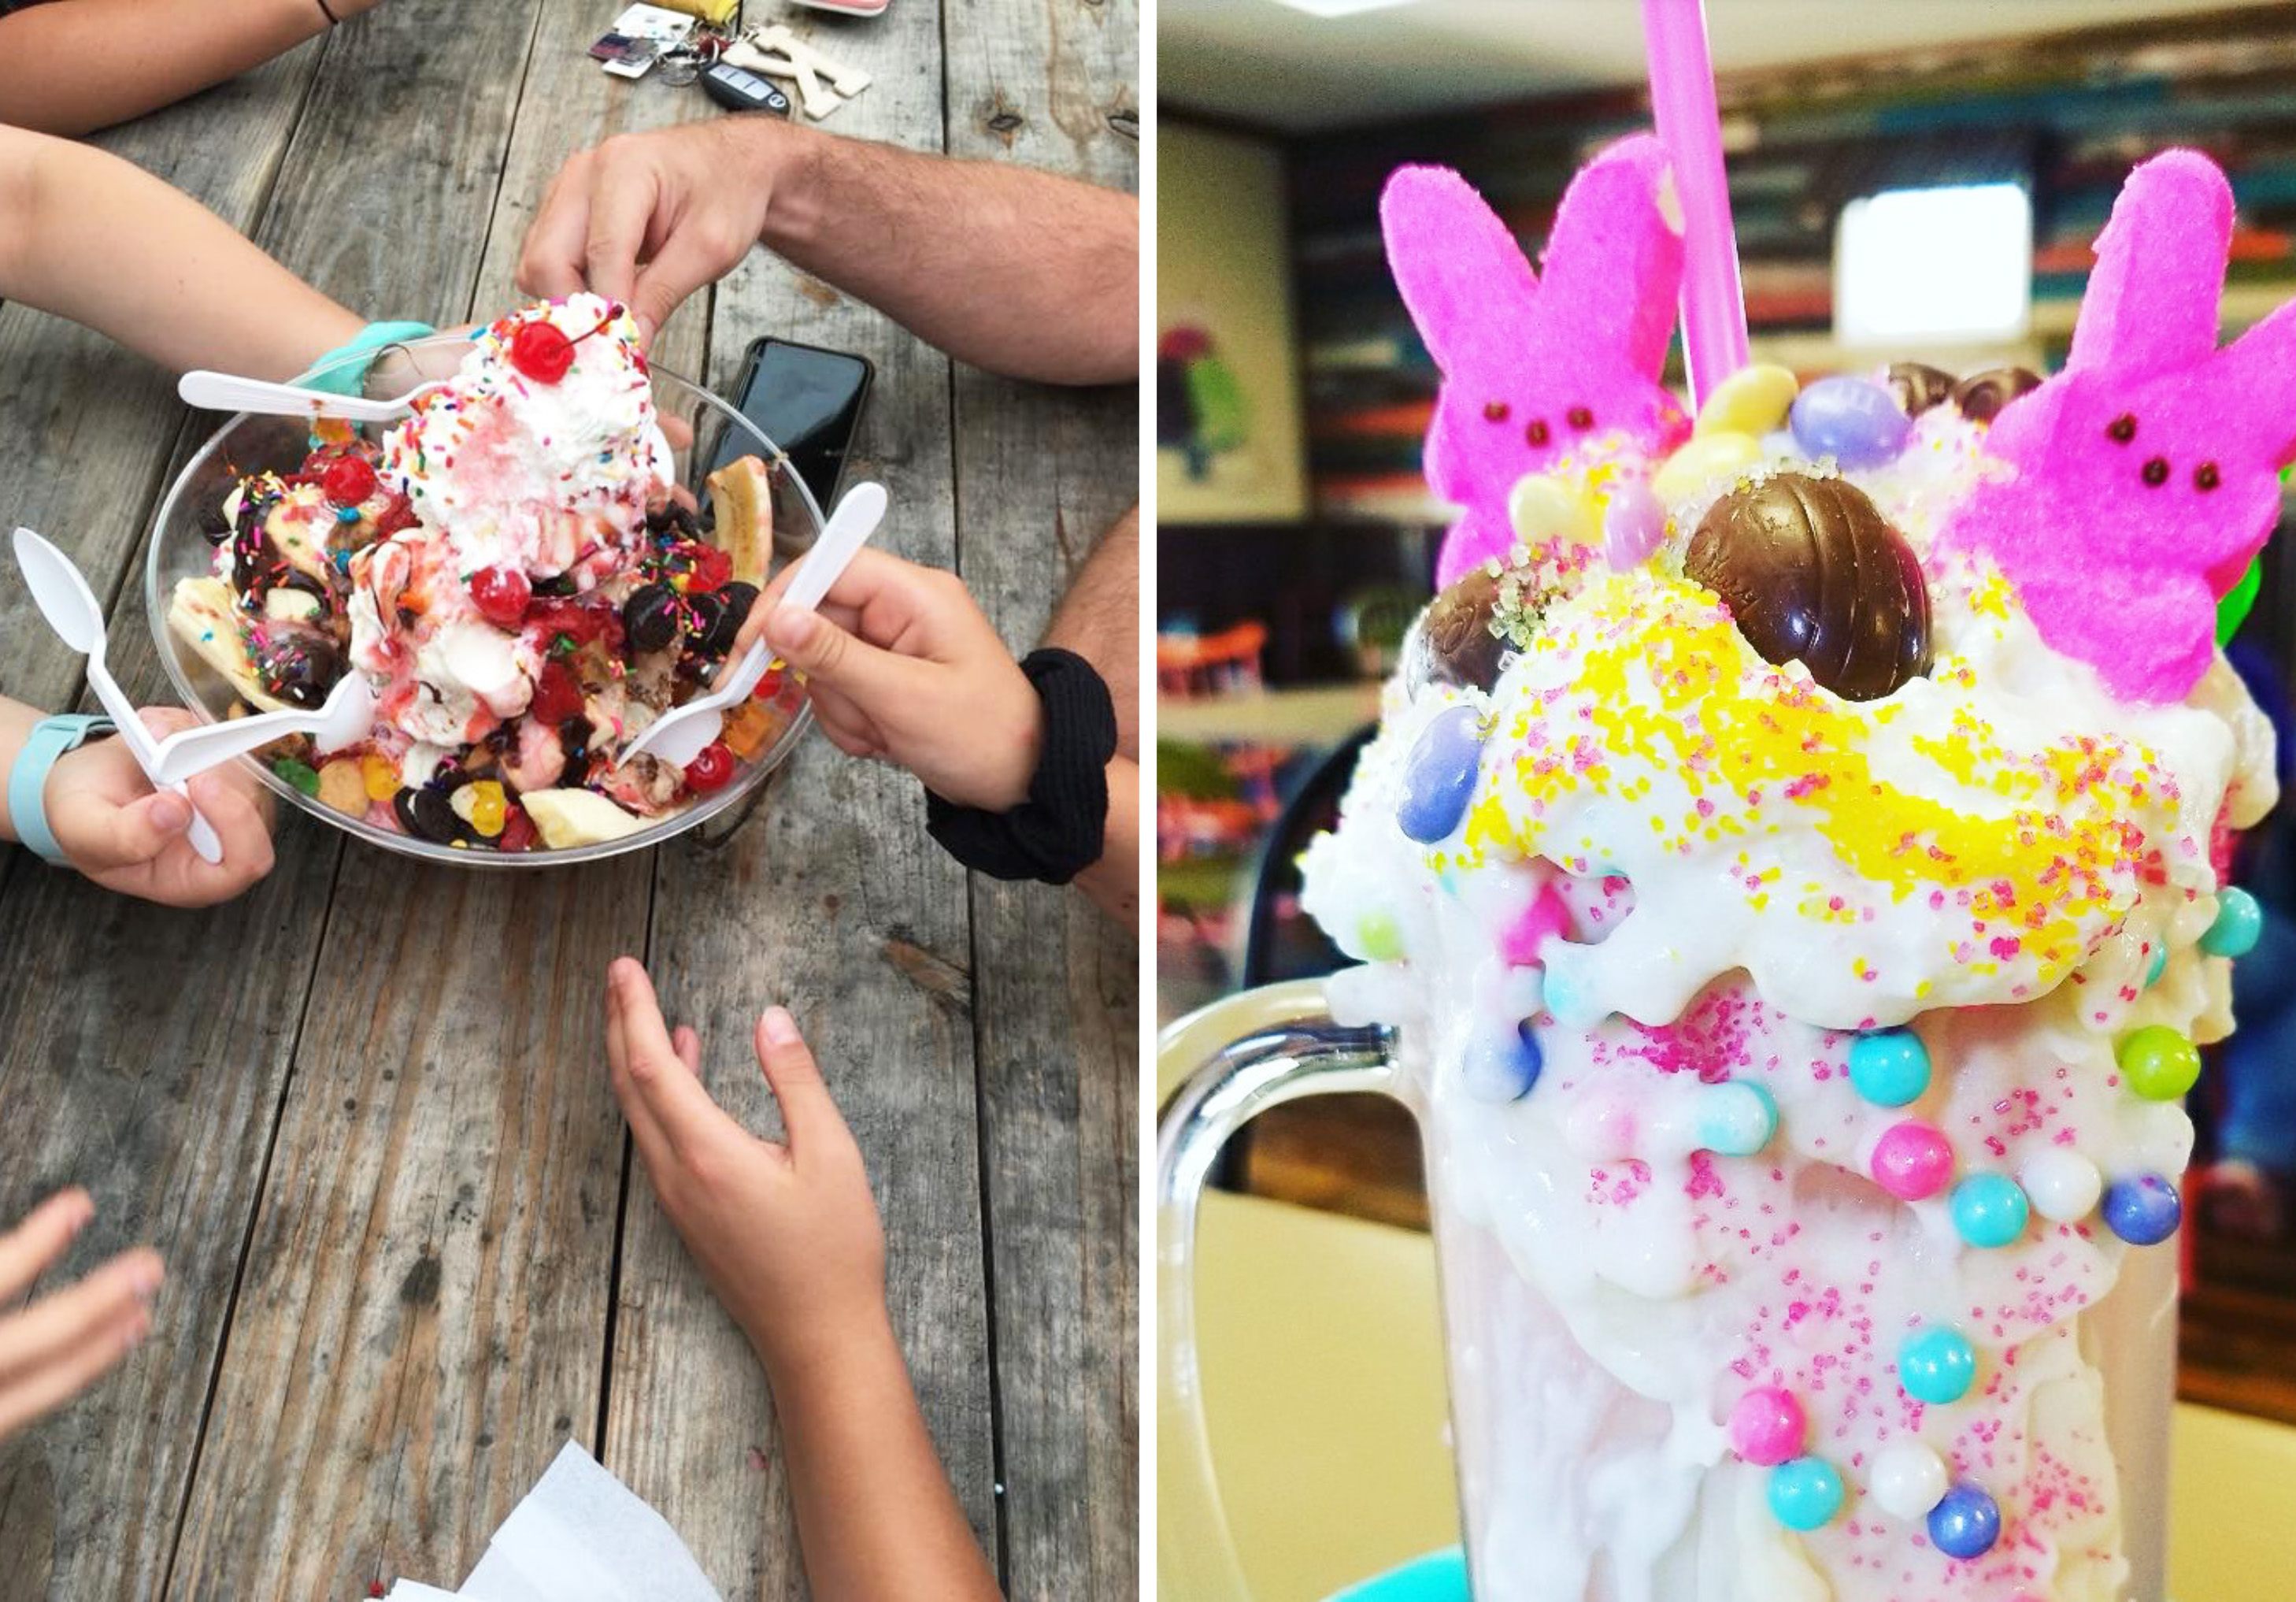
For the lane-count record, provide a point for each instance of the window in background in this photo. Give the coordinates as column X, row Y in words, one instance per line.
column 1948, row 266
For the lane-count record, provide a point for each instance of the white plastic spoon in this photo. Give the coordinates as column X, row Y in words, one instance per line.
column 345, row 718
column 225, row 392
column 70, row 606
column 678, row 737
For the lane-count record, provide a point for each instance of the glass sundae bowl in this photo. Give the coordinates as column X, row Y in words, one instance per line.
column 459, row 801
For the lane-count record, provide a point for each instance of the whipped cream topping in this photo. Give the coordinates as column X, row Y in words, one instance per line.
column 1682, row 884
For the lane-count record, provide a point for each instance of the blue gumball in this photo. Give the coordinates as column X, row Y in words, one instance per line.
column 1502, row 1064
column 2142, row 1209
column 1805, row 1492
column 1439, row 778
column 1937, row 1364
column 1853, row 420
column 1965, row 1523
column 1988, row 1209
column 2239, row 922
column 1890, row 1067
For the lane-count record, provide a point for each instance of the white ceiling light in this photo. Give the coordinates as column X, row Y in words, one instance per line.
column 1340, row 8
column 1950, row 265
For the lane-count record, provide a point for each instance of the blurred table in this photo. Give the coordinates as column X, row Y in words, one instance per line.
column 364, row 1112
column 1323, row 1378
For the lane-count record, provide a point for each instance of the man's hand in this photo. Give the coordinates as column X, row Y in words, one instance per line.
column 128, row 838
column 56, row 1347
column 787, row 1234
column 648, row 218
column 902, row 665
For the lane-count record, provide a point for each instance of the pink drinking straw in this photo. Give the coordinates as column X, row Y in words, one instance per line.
column 1690, row 126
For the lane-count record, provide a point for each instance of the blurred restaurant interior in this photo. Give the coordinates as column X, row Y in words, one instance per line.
column 1908, row 180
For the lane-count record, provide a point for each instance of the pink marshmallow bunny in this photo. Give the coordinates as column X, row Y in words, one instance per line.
column 1533, row 367
column 2147, row 470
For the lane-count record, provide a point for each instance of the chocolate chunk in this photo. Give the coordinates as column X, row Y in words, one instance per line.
column 1813, row 573
column 1981, row 395
column 739, row 599
column 650, row 617
column 1454, row 643
column 1918, row 386
column 297, row 665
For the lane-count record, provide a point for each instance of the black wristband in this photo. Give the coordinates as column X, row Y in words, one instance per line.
column 1060, row 829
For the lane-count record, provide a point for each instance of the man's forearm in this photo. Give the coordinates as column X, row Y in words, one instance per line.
column 876, row 1516
column 1113, row 883
column 108, row 245
column 73, row 67
column 1015, row 271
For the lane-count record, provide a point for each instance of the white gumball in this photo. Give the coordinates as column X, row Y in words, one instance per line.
column 2062, row 1185
column 1908, row 1479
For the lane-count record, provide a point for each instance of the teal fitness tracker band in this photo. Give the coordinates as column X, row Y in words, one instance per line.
column 338, row 375
column 27, row 780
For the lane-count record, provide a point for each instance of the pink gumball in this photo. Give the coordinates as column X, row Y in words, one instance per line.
column 1767, row 1426
column 1912, row 1159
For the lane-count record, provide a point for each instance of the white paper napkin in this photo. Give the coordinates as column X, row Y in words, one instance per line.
column 580, row 1535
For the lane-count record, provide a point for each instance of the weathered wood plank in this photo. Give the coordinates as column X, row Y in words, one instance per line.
column 164, row 1111
column 1041, row 472
column 146, row 1052
column 835, row 904
column 421, row 1317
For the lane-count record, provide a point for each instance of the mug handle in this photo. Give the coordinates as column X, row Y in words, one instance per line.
column 1246, row 1054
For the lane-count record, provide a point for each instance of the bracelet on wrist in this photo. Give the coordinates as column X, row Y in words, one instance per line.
column 340, row 372
column 1062, row 828
column 28, row 779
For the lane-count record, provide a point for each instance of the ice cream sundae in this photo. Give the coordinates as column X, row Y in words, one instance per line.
column 520, row 579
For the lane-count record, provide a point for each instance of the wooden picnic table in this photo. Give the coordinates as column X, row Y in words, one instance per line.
column 364, row 1112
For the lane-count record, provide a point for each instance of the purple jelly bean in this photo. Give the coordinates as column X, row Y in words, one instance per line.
column 1855, row 421
column 1441, row 775
column 1633, row 524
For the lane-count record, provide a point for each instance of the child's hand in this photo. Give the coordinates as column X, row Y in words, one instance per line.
column 902, row 665
column 53, row 1349
column 787, row 1234
column 125, row 836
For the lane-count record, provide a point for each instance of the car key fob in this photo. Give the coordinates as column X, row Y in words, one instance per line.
column 741, row 91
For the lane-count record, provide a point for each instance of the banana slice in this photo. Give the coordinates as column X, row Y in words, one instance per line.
column 743, row 495
column 571, row 817
column 204, row 617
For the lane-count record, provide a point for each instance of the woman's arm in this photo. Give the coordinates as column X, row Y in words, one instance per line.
column 75, row 66
column 87, row 236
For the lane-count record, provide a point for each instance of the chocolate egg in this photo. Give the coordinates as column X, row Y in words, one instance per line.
column 1813, row 573
column 1454, row 643
column 1982, row 395
column 1918, row 386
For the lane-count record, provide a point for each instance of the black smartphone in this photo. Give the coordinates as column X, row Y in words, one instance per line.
column 808, row 401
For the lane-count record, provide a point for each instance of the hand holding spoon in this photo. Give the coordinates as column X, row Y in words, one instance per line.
column 679, row 736
column 70, row 606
